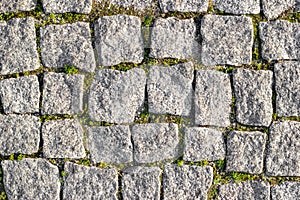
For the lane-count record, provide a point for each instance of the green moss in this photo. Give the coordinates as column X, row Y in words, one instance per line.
column 147, row 20
column 124, row 66
column 180, row 163
column 45, row 118
column 224, row 69
column 71, row 70
column 3, row 196
column 102, row 165
column 293, row 118
column 143, row 118
column 240, row 177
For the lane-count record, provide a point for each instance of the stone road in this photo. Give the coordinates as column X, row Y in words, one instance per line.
column 150, row 99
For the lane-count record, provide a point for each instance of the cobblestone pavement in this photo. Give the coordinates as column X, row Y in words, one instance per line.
column 150, row 99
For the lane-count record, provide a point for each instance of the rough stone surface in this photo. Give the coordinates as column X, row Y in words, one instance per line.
column 17, row 6
column 63, row 6
column 184, row 5
column 297, row 6
column 19, row 134
column 226, row 40
column 136, row 4
column 287, row 86
column 279, row 40
column 62, row 94
column 170, row 89
column 30, row 179
column 274, row 8
column 245, row 151
column 203, row 144
column 238, row 6
column 245, row 190
column 68, row 45
column 154, row 142
column 213, row 98
column 253, row 93
column 286, row 191
column 119, row 39
column 18, row 50
column 63, row 139
column 110, row 144
column 116, row 96
column 141, row 183
column 186, row 182
column 283, row 150
column 82, row 182
column 174, row 38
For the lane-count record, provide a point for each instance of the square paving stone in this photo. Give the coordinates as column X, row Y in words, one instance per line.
column 184, row 5
column 68, row 45
column 17, row 6
column 274, row 8
column 136, row 4
column 279, row 40
column 186, row 182
column 19, row 134
column 287, row 86
column 283, row 150
column 238, row 6
column 62, row 94
column 119, row 39
column 63, row 139
column 82, row 182
column 174, row 38
column 253, row 93
column 203, row 144
column 30, row 179
column 63, row 6
column 20, row 95
column 110, row 144
column 213, row 98
column 170, row 89
column 154, row 142
column 245, row 152
column 141, row 183
column 255, row 190
column 286, row 191
column 18, row 50
column 117, row 96
column 226, row 40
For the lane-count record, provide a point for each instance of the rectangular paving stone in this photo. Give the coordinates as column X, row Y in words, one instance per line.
column 141, row 183
column 63, row 6
column 17, row 6
column 279, row 40
column 19, row 134
column 253, row 93
column 116, row 96
column 136, row 4
column 154, row 142
column 184, row 5
column 68, row 45
column 283, row 150
column 213, row 98
column 203, row 144
column 18, row 50
column 286, row 191
column 274, row 8
column 245, row 151
column 110, row 144
column 238, row 6
column 170, row 89
column 82, row 182
column 119, row 39
column 287, row 86
column 30, row 179
column 63, row 139
column 62, row 94
column 186, row 182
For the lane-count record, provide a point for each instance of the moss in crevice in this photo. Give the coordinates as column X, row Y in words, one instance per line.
column 45, row 118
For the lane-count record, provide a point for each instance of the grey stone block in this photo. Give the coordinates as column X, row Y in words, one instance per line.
column 279, row 40
column 203, row 144
column 116, row 96
column 245, row 190
column 154, row 142
column 82, row 182
column 297, row 6
column 245, row 151
column 20, row 95
column 286, row 191
column 174, row 38
column 110, row 144
column 62, row 94
column 119, row 39
column 283, row 150
column 19, row 134
column 238, row 6
column 186, row 182
column 226, row 40
column 63, row 139
column 170, row 89
column 63, row 6
column 253, row 93
column 184, row 6
column 141, row 183
column 68, row 45
column 274, row 8
column 136, row 4
column 30, row 179
column 287, row 86
column 17, row 6
column 18, row 50
column 213, row 98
